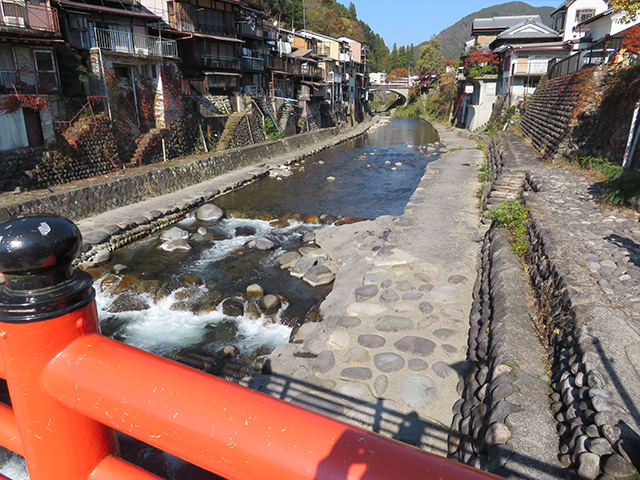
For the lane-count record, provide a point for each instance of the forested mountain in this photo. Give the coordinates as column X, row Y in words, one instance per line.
column 328, row 17
column 452, row 38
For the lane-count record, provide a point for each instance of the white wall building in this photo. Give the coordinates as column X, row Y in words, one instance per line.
column 571, row 13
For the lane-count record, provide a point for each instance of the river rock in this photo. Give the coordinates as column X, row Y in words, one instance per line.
column 245, row 231
column 302, row 266
column 255, row 290
column 103, row 256
column 209, row 213
column 309, row 237
column 261, row 243
column 119, row 268
column 269, row 304
column 319, row 275
column 193, row 280
column 128, row 303
column 232, row 308
column 288, row 260
column 173, row 245
column 313, row 252
column 174, row 233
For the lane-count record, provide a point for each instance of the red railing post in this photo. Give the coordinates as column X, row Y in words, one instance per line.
column 44, row 306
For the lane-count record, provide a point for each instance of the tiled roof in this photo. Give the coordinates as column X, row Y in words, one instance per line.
column 517, row 31
column 503, row 22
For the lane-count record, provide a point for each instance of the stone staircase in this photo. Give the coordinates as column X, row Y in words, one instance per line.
column 149, row 149
column 508, row 186
column 229, row 130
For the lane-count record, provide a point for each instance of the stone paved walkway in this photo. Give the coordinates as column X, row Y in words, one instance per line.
column 597, row 248
column 390, row 351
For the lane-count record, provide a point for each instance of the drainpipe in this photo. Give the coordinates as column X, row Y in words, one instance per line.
column 135, row 97
column 632, row 142
column 104, row 79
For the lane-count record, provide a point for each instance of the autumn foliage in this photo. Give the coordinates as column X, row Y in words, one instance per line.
column 397, row 74
column 481, row 62
column 632, row 39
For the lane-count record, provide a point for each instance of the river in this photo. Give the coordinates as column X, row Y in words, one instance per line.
column 170, row 303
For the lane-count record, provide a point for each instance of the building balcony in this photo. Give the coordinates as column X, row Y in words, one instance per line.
column 28, row 15
column 312, row 71
column 533, row 68
column 220, row 61
column 252, row 64
column 251, row 30
column 324, row 51
column 133, row 43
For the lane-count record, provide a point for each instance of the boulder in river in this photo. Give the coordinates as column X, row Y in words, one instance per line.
column 174, row 233
column 209, row 213
column 255, row 290
column 173, row 245
column 261, row 243
column 269, row 304
column 302, row 265
column 313, row 252
column 246, row 231
column 289, row 260
column 233, row 308
column 318, row 275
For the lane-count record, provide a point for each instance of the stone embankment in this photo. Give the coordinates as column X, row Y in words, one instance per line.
column 118, row 209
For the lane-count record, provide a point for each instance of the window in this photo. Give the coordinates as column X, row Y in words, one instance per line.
column 211, row 21
column 8, row 71
column 46, row 71
column 584, row 14
column 14, row 13
column 559, row 21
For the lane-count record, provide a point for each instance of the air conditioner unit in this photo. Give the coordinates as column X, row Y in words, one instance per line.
column 14, row 21
column 142, row 51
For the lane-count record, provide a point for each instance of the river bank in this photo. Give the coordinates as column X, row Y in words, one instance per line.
column 118, row 209
column 391, row 345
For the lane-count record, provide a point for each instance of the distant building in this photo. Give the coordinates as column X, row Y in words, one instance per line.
column 525, row 51
column 378, row 78
column 30, row 92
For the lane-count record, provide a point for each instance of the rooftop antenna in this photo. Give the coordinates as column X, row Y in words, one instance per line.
column 304, row 16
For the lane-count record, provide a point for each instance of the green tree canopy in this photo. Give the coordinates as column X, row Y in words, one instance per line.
column 630, row 8
column 430, row 56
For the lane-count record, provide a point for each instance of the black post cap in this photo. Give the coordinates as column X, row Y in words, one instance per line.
column 36, row 253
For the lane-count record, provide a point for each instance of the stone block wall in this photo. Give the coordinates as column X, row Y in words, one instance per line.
column 502, row 423
column 548, row 119
column 108, row 193
column 87, row 150
column 589, row 111
column 15, row 163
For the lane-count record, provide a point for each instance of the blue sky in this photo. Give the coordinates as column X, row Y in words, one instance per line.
column 413, row 21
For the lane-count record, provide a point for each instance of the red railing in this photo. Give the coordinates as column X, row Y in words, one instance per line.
column 71, row 388
column 29, row 15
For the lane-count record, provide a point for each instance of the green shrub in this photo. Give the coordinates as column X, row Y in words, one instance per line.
column 512, row 215
column 270, row 129
column 620, row 184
